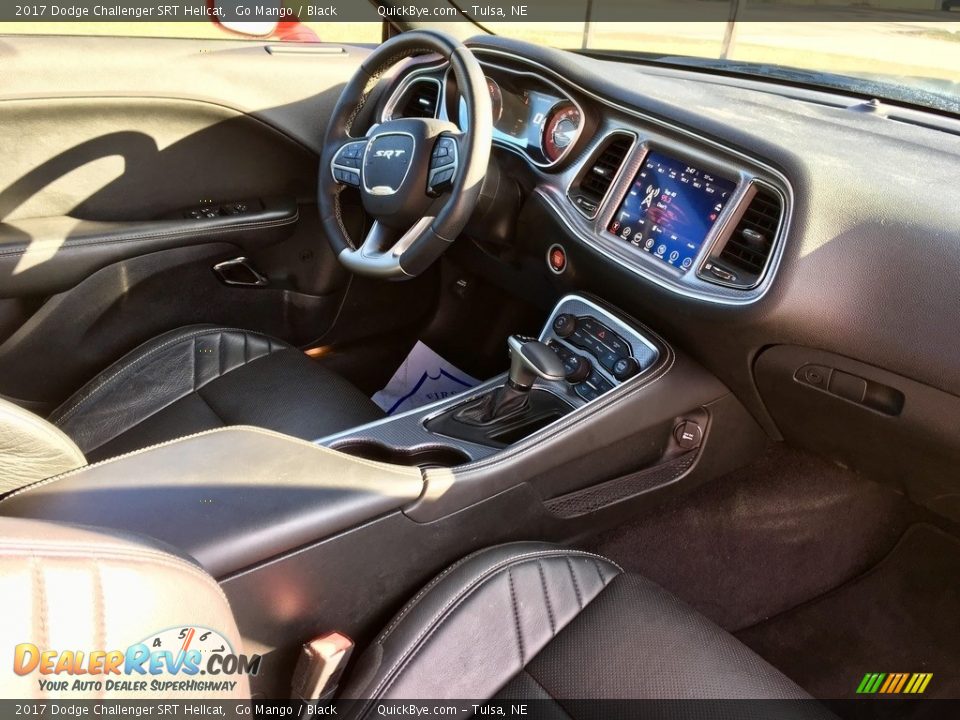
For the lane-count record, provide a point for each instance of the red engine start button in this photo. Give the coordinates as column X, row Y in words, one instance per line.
column 557, row 258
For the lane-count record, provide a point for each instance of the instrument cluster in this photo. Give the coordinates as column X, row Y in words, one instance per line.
column 530, row 114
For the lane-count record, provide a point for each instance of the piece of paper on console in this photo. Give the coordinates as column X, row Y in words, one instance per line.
column 423, row 378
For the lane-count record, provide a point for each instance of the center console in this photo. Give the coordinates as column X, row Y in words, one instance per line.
column 597, row 419
column 583, row 352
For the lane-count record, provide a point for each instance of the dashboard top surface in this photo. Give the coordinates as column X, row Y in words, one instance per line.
column 871, row 254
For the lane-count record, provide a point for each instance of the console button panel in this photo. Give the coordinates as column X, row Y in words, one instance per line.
column 598, row 350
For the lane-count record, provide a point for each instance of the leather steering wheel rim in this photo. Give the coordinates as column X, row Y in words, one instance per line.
column 388, row 251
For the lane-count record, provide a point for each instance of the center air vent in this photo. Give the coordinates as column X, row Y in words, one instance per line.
column 592, row 184
column 417, row 100
column 745, row 255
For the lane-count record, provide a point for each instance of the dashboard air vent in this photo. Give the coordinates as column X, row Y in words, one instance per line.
column 418, row 100
column 593, row 183
column 746, row 252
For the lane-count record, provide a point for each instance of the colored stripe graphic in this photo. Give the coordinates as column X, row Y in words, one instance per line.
column 894, row 683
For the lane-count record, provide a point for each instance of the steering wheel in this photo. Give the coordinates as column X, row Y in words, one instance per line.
column 419, row 178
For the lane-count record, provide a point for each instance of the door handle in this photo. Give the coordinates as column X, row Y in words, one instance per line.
column 239, row 271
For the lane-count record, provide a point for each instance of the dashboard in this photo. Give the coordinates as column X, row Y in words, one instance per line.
column 815, row 239
column 691, row 215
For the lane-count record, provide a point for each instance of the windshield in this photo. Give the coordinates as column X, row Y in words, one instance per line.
column 900, row 58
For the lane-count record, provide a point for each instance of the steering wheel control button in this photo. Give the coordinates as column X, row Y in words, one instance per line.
column 557, row 259
column 445, row 148
column 688, row 435
column 443, row 166
column 347, row 162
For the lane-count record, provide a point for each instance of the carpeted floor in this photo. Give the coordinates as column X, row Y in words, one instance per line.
column 764, row 539
column 901, row 616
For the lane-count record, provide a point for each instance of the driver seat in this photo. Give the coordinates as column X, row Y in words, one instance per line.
column 186, row 381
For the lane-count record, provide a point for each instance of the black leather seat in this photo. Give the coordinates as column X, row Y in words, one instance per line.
column 202, row 377
column 536, row 621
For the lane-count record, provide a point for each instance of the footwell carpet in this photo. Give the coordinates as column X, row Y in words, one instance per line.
column 902, row 616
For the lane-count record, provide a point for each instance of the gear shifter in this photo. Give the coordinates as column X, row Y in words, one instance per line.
column 529, row 359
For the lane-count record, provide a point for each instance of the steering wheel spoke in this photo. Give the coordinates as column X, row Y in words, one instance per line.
column 347, row 164
column 379, row 240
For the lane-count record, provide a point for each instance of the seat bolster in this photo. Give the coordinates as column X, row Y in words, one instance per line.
column 32, row 449
column 155, row 375
column 79, row 589
column 475, row 626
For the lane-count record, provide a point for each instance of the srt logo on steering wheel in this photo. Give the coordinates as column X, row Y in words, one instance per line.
column 388, row 153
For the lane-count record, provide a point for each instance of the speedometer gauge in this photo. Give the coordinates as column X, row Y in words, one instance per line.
column 496, row 98
column 560, row 130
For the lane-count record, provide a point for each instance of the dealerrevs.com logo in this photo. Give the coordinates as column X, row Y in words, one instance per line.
column 184, row 659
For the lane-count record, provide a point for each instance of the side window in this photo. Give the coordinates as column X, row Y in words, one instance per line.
column 223, row 23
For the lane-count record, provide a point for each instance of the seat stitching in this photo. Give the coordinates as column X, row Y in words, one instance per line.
column 546, row 597
column 548, row 693
column 118, row 554
column 468, row 588
column 603, row 580
column 427, row 588
column 153, row 351
column 211, row 408
column 516, row 616
column 576, row 585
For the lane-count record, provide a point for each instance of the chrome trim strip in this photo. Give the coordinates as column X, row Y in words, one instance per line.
column 723, row 237
column 414, row 77
column 616, row 178
column 380, row 189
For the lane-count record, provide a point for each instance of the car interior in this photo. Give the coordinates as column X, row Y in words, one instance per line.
column 711, row 448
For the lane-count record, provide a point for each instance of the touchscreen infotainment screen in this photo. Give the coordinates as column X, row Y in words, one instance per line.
column 670, row 209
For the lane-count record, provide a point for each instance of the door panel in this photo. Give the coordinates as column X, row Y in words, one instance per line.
column 108, row 143
column 77, row 333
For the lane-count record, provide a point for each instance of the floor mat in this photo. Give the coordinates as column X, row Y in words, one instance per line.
column 763, row 539
column 903, row 616
column 422, row 378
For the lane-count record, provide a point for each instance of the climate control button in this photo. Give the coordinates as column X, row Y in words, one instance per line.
column 578, row 369
column 625, row 368
column 564, row 325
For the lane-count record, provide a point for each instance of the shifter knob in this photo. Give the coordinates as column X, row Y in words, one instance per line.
column 530, row 359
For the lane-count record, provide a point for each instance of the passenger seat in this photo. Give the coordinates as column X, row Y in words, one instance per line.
column 519, row 621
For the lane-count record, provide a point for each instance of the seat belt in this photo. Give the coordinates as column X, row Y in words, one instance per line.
column 320, row 667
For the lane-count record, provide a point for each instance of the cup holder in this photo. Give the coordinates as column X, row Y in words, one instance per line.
column 426, row 456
